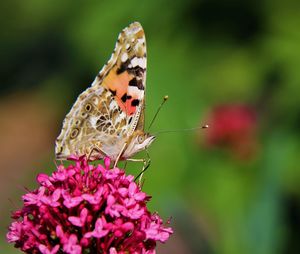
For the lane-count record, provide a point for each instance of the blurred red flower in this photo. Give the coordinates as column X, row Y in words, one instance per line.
column 233, row 126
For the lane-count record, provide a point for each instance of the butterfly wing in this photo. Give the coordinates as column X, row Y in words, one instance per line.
column 126, row 79
column 108, row 112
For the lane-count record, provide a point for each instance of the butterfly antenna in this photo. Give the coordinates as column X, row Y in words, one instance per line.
column 166, row 97
column 179, row 130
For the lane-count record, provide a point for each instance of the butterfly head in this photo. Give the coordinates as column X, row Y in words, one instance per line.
column 139, row 141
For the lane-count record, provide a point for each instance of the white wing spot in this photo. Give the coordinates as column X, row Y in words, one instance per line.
column 124, row 57
column 139, row 61
column 93, row 121
column 141, row 40
column 135, row 91
column 113, row 105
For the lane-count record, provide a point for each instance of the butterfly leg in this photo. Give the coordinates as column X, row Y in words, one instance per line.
column 119, row 155
column 95, row 148
column 146, row 165
column 58, row 161
column 55, row 163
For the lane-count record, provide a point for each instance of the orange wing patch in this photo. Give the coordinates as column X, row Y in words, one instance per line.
column 118, row 84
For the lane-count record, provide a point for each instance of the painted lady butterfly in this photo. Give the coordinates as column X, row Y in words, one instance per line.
column 107, row 119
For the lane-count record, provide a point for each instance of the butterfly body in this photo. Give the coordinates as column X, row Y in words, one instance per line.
column 107, row 119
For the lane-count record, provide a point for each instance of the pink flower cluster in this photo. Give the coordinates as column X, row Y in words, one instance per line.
column 86, row 209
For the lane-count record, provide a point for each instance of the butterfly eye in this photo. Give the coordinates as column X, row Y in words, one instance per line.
column 141, row 139
column 74, row 133
column 88, row 107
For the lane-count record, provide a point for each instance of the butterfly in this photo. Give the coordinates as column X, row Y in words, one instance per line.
column 107, row 119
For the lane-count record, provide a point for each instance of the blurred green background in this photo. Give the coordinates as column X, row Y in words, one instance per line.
column 236, row 194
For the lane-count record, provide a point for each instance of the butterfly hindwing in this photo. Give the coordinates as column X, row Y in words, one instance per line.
column 112, row 107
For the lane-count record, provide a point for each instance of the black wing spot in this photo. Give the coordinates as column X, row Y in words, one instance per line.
column 123, row 67
column 138, row 71
column 124, row 97
column 137, row 83
column 113, row 92
column 133, row 82
column 135, row 102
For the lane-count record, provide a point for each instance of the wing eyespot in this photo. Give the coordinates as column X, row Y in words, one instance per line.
column 74, row 133
column 88, row 107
